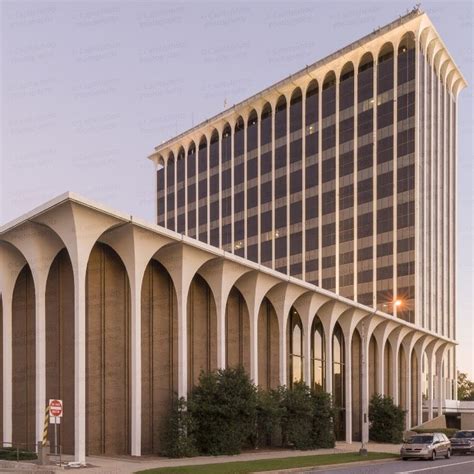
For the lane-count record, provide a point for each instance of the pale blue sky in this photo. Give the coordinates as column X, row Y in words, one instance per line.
column 89, row 88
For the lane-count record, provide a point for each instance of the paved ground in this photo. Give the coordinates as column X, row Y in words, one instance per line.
column 128, row 464
column 457, row 464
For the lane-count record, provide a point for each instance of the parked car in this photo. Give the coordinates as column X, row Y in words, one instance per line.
column 426, row 446
column 462, row 442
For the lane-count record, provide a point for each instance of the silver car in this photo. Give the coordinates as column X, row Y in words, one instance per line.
column 426, row 446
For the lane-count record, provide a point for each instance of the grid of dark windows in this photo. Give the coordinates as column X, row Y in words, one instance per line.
column 202, row 191
column 346, row 182
column 384, row 192
column 214, row 178
column 274, row 197
column 296, row 183
column 181, row 192
column 170, row 170
column 328, row 191
column 239, row 194
column 160, row 184
column 191, row 183
column 406, row 179
column 312, row 183
column 281, row 170
column 365, row 179
column 252, row 187
column 226, row 188
column 266, row 186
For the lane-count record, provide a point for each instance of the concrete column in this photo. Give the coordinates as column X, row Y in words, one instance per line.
column 419, row 394
column 364, row 370
column 439, row 389
column 253, row 317
column 395, row 375
column 381, row 366
column 7, row 366
column 182, row 344
column 307, row 362
column 430, row 388
column 408, row 390
column 40, row 351
column 136, row 368
column 282, row 323
column 348, row 387
column 80, row 269
column 329, row 367
column 221, row 304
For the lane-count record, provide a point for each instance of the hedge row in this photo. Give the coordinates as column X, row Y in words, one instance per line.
column 226, row 413
column 11, row 454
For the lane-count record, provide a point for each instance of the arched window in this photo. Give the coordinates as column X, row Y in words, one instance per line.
column 295, row 347
column 338, row 381
column 318, row 374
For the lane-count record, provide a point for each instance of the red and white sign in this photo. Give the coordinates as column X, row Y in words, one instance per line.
column 55, row 407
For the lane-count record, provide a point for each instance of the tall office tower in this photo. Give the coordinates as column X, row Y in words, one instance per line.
column 343, row 174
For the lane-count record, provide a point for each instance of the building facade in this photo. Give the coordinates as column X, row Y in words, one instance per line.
column 287, row 227
column 115, row 316
column 342, row 175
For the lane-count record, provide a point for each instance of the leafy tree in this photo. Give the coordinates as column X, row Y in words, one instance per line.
column 177, row 438
column 387, row 420
column 223, row 408
column 465, row 387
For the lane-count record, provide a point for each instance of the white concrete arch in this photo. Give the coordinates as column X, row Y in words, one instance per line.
column 221, row 275
column 363, row 58
column 348, row 321
column 79, row 227
column 308, row 305
column 347, row 67
column 420, row 348
column 135, row 246
column 432, row 48
column 395, row 339
column 39, row 245
column 14, row 261
column 381, row 334
column 438, row 58
column 458, row 86
column 426, row 36
column 384, row 49
column 329, row 314
column 408, row 344
column 408, row 33
column 282, row 296
column 254, row 286
column 431, row 351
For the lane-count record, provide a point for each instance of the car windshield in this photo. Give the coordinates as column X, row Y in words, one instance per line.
column 420, row 440
column 464, row 434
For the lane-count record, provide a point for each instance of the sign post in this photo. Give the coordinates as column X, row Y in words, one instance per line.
column 56, row 412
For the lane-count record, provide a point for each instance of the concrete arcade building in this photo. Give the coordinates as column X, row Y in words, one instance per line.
column 306, row 233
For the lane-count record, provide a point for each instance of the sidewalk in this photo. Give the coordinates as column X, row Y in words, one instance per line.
column 128, row 464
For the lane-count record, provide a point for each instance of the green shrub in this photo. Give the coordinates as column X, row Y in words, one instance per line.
column 269, row 414
column 177, row 438
column 10, row 454
column 297, row 418
column 449, row 432
column 323, row 420
column 223, row 408
column 387, row 420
